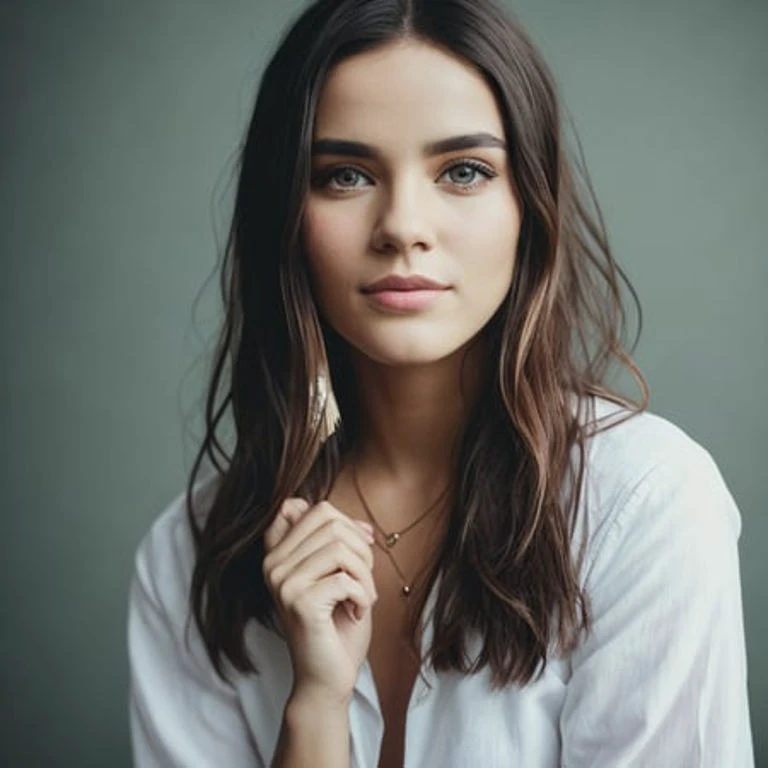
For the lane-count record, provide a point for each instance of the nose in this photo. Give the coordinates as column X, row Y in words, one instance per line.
column 404, row 221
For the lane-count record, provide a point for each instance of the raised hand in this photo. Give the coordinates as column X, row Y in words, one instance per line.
column 318, row 565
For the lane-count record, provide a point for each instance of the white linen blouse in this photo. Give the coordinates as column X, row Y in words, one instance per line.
column 660, row 682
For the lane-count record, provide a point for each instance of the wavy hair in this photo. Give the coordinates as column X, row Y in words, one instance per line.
column 506, row 566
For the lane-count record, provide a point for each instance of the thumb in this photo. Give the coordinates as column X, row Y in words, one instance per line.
column 290, row 512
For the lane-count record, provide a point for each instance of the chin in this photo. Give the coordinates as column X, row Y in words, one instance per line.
column 402, row 352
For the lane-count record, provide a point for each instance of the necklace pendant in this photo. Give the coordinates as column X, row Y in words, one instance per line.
column 392, row 539
column 406, row 590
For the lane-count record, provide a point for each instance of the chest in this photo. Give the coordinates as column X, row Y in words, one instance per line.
column 395, row 667
column 463, row 721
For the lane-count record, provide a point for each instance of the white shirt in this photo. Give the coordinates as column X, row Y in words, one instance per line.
column 660, row 682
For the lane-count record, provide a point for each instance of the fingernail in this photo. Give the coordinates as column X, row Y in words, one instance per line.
column 294, row 509
column 352, row 609
column 365, row 526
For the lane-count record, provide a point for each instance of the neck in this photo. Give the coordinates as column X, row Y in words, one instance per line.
column 412, row 417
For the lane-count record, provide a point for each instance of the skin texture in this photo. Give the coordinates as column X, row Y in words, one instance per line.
column 405, row 213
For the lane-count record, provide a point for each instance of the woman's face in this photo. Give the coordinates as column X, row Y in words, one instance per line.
column 397, row 192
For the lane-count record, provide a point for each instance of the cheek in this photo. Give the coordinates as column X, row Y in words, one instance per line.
column 488, row 241
column 331, row 235
column 332, row 243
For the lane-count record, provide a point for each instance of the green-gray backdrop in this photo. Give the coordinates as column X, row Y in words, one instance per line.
column 119, row 125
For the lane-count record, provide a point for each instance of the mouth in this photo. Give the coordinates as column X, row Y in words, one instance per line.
column 404, row 284
column 404, row 293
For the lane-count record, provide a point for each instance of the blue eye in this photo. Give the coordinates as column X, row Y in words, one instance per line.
column 342, row 175
column 471, row 169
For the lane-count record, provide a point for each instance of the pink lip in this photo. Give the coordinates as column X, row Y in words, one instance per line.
column 401, row 283
column 404, row 294
column 406, row 300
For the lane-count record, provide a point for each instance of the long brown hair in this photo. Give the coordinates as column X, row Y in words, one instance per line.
column 507, row 571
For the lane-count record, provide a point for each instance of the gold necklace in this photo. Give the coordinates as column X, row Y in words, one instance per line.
column 392, row 538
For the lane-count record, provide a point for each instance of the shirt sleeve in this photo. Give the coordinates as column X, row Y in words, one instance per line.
column 661, row 679
column 181, row 712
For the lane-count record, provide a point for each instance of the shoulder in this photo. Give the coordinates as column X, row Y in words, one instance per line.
column 662, row 670
column 646, row 477
column 165, row 557
column 622, row 446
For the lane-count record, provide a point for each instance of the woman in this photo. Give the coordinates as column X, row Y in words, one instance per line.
column 485, row 557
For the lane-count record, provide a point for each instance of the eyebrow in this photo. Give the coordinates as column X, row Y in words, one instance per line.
column 452, row 144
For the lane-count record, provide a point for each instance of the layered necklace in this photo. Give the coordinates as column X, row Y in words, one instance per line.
column 391, row 538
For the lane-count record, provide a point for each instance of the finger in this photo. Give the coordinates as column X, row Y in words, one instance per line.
column 310, row 522
column 321, row 599
column 333, row 557
column 327, row 534
column 306, row 526
column 294, row 508
column 290, row 511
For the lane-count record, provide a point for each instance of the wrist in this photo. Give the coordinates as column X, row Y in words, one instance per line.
column 307, row 703
column 314, row 731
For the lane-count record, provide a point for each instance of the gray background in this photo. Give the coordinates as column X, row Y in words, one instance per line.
column 119, row 126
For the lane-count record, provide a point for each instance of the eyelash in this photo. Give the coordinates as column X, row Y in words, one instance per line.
column 322, row 179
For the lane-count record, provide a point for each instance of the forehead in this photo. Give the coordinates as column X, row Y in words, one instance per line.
column 407, row 89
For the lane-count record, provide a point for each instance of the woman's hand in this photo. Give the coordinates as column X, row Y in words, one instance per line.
column 318, row 565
